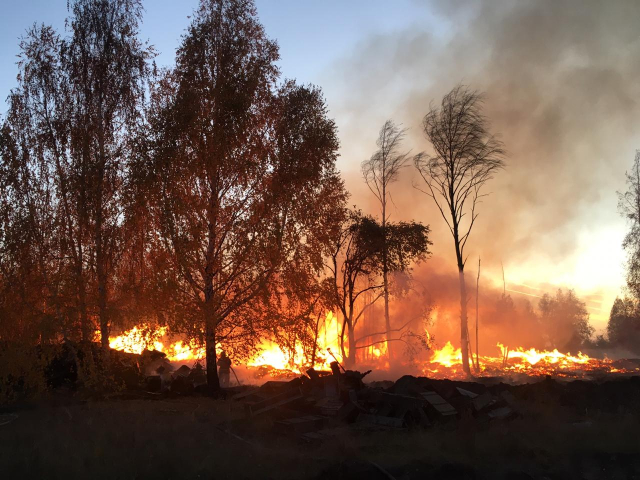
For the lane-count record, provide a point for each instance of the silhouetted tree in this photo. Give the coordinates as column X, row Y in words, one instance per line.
column 245, row 172
column 106, row 67
column 353, row 262
column 379, row 172
column 71, row 117
column 629, row 207
column 356, row 267
column 623, row 328
column 37, row 241
column 565, row 320
column 465, row 158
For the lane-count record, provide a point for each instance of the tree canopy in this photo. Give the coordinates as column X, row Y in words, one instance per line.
column 243, row 173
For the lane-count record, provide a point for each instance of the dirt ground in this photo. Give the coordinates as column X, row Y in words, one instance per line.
column 202, row 438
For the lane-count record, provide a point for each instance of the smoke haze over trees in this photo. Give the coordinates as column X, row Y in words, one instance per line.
column 545, row 86
column 206, row 196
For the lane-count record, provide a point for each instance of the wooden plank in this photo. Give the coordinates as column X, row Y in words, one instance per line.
column 397, row 399
column 325, row 434
column 500, row 413
column 275, row 401
column 483, row 401
column 466, row 393
column 443, row 407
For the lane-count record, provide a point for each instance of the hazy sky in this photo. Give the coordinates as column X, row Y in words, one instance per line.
column 561, row 83
column 312, row 34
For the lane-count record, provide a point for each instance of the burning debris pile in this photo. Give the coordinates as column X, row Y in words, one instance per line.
column 513, row 363
column 270, row 361
column 319, row 405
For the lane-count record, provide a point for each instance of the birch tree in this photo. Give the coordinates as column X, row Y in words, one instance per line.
column 244, row 172
column 465, row 157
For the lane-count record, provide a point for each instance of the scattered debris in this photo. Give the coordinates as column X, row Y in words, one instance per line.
column 319, row 405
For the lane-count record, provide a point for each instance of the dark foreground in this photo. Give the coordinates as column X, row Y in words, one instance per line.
column 563, row 431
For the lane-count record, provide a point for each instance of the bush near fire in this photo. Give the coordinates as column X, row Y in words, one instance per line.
column 198, row 209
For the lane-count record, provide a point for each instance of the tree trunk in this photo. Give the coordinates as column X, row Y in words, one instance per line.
column 477, row 318
column 385, row 270
column 346, row 357
column 82, row 307
column 315, row 341
column 387, row 321
column 102, row 306
column 210, row 321
column 464, row 328
column 213, row 382
column 101, row 256
column 352, row 348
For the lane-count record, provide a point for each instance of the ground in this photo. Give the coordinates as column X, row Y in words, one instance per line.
column 201, row 438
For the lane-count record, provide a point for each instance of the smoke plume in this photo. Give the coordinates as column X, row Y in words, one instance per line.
column 561, row 85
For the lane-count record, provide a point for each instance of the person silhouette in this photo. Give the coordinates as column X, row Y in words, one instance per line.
column 224, row 370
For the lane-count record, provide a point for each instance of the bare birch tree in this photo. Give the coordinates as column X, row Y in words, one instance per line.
column 466, row 156
column 379, row 172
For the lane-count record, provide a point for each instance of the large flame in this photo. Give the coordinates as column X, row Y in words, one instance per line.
column 447, row 363
column 327, row 350
column 271, row 355
column 144, row 337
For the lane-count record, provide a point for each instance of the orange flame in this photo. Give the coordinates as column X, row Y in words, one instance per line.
column 447, row 363
column 139, row 339
column 144, row 337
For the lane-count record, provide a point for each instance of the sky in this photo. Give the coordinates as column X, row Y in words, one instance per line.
column 561, row 89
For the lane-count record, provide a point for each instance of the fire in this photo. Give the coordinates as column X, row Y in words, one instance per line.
column 139, row 339
column 447, row 363
column 447, row 356
column 271, row 355
column 533, row 357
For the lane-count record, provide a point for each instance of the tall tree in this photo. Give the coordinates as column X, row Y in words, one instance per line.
column 244, row 172
column 71, row 120
column 565, row 320
column 623, row 328
column 36, row 180
column 106, row 67
column 352, row 263
column 629, row 207
column 379, row 172
column 356, row 266
column 465, row 157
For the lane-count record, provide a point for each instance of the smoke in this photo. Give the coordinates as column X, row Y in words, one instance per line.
column 561, row 85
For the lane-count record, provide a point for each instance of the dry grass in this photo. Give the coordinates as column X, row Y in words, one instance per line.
column 181, row 438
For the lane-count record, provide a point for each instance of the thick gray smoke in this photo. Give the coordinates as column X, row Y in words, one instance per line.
column 562, row 89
